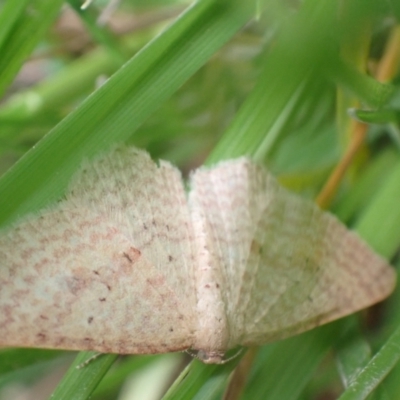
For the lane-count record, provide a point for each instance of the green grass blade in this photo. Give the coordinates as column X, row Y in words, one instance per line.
column 80, row 380
column 256, row 127
column 9, row 14
column 363, row 86
column 370, row 181
column 100, row 33
column 69, row 84
column 114, row 112
column 283, row 369
column 375, row 371
column 383, row 211
column 200, row 381
column 27, row 30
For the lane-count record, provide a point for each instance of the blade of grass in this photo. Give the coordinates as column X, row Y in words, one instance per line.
column 115, row 111
column 71, row 82
column 369, row 182
column 80, row 381
column 200, row 381
column 375, row 371
column 283, row 369
column 363, row 86
column 100, row 33
column 9, row 14
column 28, row 29
column 28, row 375
column 133, row 366
column 353, row 353
column 258, row 123
column 379, row 224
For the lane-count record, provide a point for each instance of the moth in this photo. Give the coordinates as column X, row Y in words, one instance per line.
column 129, row 263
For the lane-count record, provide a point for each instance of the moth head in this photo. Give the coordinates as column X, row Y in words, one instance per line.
column 211, row 357
column 215, row 357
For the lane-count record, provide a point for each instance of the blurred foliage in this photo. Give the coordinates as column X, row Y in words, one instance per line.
column 197, row 83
